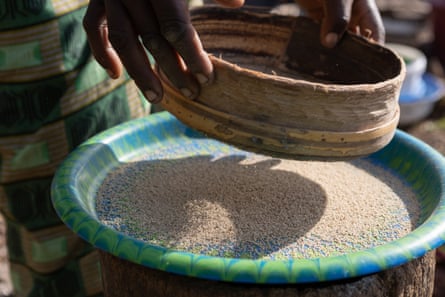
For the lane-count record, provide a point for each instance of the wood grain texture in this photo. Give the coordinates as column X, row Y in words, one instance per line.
column 123, row 278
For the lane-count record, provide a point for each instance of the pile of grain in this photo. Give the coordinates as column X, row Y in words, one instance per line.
column 251, row 206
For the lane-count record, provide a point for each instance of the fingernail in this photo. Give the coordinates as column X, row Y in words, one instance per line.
column 111, row 73
column 331, row 39
column 367, row 33
column 151, row 96
column 202, row 78
column 187, row 93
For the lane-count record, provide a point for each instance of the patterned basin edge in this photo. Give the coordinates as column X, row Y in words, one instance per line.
column 82, row 172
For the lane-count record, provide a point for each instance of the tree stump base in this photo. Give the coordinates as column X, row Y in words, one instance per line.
column 124, row 278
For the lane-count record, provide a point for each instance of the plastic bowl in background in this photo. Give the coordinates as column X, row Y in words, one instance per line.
column 420, row 90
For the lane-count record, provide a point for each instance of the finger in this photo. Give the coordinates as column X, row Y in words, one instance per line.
column 126, row 43
column 167, row 59
column 175, row 26
column 367, row 16
column 95, row 26
column 335, row 22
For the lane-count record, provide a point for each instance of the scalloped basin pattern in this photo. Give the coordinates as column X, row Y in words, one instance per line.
column 82, row 173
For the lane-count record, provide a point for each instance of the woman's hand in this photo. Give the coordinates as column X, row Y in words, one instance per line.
column 119, row 32
column 337, row 16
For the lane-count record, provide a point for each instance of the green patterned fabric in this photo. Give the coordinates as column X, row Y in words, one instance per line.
column 53, row 96
column 43, row 50
column 21, row 13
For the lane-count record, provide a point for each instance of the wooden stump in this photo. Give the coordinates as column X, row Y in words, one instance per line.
column 123, row 278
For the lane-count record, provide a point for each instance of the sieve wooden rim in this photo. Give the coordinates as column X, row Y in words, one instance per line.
column 296, row 143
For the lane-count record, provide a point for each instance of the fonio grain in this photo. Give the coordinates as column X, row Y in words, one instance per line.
column 253, row 206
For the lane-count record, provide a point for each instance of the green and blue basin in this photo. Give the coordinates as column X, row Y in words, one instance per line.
column 82, row 173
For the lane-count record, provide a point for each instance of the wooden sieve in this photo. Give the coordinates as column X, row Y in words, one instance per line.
column 278, row 91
